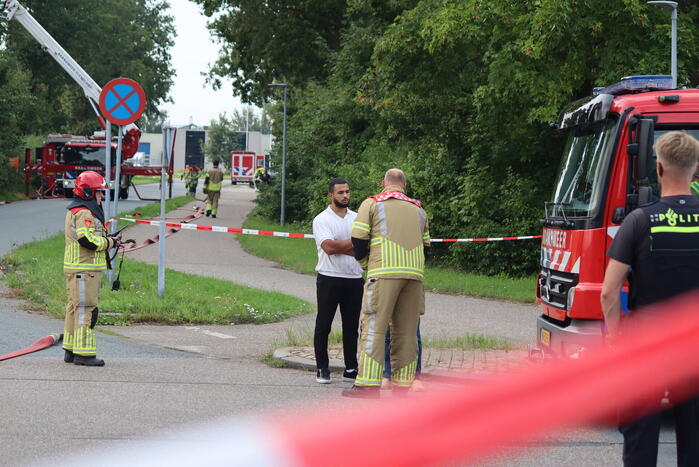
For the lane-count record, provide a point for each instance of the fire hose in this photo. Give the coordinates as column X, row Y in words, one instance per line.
column 41, row 344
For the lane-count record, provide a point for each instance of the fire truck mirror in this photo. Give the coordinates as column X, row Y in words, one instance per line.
column 644, row 134
column 645, row 193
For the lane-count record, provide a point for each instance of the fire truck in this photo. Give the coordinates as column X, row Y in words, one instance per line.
column 243, row 166
column 607, row 170
column 63, row 157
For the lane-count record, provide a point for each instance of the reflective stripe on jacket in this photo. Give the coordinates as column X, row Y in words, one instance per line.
column 80, row 223
column 397, row 230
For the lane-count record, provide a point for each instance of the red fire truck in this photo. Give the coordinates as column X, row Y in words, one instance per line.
column 243, row 166
column 62, row 157
column 607, row 170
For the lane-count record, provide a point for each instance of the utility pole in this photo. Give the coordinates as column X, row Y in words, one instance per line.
column 672, row 6
column 283, row 200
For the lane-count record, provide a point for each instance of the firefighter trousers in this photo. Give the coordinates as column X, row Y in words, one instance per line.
column 212, row 201
column 398, row 303
column 81, row 312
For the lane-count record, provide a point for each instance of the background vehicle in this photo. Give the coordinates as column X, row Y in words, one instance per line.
column 244, row 164
column 62, row 157
column 607, row 170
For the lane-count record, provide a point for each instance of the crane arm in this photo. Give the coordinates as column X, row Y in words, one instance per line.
column 14, row 10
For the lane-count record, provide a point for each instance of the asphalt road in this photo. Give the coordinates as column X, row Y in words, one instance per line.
column 25, row 221
column 168, row 377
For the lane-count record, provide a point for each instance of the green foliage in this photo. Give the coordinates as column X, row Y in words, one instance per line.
column 224, row 136
column 459, row 95
column 109, row 39
column 16, row 107
column 288, row 40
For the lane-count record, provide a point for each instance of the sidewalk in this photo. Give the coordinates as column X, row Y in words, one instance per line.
column 219, row 255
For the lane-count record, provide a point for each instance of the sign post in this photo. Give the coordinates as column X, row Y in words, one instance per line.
column 122, row 102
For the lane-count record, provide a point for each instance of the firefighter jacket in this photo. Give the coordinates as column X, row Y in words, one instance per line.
column 397, row 230
column 87, row 244
column 214, row 177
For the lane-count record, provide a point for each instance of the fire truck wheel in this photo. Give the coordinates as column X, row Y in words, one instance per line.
column 233, row 182
column 124, row 193
column 68, row 192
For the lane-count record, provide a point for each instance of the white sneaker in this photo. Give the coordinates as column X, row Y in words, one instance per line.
column 323, row 376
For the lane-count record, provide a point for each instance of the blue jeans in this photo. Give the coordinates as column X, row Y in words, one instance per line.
column 387, row 354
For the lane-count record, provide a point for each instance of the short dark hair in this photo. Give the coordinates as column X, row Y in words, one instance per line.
column 335, row 181
column 216, row 163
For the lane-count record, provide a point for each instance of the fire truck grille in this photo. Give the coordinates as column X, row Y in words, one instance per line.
column 554, row 287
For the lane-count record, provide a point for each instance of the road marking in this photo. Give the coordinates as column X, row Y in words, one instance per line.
column 220, row 335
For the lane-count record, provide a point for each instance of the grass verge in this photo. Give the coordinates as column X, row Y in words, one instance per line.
column 12, row 196
column 153, row 209
column 35, row 270
column 142, row 179
column 300, row 255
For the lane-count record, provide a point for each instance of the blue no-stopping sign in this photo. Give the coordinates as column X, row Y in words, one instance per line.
column 122, row 101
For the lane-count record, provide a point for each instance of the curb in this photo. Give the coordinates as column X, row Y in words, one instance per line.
column 284, row 354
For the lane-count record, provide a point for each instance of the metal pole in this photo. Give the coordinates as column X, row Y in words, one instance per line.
column 672, row 6
column 108, row 179
column 674, row 47
column 117, row 176
column 283, row 209
column 164, row 164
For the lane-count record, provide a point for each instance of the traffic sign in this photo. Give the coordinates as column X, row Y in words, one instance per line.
column 122, row 101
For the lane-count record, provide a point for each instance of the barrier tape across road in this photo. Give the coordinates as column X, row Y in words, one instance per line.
column 270, row 233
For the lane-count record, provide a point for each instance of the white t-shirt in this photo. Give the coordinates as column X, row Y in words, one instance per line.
column 329, row 226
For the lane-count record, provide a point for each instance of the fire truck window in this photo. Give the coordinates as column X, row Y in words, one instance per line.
column 652, row 174
column 586, row 158
column 84, row 155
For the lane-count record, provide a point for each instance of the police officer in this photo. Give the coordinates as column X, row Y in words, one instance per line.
column 86, row 256
column 659, row 242
column 389, row 236
column 212, row 187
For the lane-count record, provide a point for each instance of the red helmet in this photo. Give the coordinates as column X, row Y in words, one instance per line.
column 87, row 183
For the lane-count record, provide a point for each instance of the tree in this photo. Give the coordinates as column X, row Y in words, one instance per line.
column 459, row 94
column 16, row 107
column 263, row 40
column 108, row 38
column 223, row 137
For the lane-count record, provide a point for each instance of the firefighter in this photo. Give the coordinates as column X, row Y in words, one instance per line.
column 212, row 187
column 659, row 242
column 389, row 236
column 86, row 256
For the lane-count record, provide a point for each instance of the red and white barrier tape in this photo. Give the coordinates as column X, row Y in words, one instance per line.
column 270, row 233
column 454, row 426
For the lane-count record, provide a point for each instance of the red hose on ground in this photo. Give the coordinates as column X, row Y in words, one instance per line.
column 41, row 344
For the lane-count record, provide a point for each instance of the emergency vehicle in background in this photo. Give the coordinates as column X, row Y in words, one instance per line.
column 607, row 170
column 244, row 164
column 62, row 158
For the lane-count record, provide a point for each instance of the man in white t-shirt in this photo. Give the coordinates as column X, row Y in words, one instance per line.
column 339, row 280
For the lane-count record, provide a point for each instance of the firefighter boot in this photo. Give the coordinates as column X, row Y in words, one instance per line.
column 363, row 392
column 68, row 356
column 88, row 361
column 208, row 212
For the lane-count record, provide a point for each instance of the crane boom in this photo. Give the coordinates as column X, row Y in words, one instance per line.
column 14, row 10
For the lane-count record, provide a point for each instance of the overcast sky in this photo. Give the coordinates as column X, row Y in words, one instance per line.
column 193, row 51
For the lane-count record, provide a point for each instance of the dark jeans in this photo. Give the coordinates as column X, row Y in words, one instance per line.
column 641, row 437
column 331, row 292
column 387, row 354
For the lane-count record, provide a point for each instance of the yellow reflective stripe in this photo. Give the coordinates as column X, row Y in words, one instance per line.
column 80, row 267
column 215, row 186
column 663, row 228
column 98, row 241
column 376, row 241
column 380, row 271
column 370, row 372
column 360, row 226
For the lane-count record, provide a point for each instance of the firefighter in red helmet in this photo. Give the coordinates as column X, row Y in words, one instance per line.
column 86, row 256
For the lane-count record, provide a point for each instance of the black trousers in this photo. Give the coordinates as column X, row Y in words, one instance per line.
column 641, row 437
column 331, row 292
